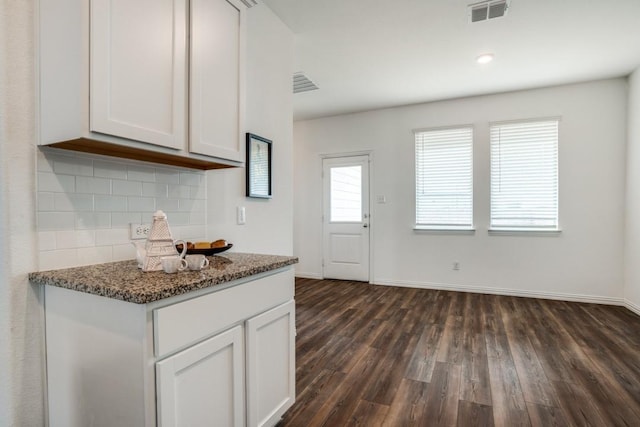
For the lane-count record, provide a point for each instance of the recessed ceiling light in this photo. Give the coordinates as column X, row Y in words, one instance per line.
column 485, row 58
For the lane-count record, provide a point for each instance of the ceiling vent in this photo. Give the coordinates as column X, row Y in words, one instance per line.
column 487, row 10
column 249, row 3
column 301, row 83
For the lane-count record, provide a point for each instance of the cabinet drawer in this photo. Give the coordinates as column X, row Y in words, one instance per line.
column 183, row 324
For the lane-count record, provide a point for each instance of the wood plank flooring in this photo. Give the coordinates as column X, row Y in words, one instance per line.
column 385, row 356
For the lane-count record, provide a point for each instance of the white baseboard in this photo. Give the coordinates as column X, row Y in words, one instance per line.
column 303, row 275
column 631, row 306
column 595, row 299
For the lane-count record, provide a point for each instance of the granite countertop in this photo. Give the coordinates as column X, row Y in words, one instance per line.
column 124, row 281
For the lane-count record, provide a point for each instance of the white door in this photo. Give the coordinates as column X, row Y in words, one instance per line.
column 346, row 218
column 204, row 384
column 138, row 70
column 216, row 78
column 271, row 365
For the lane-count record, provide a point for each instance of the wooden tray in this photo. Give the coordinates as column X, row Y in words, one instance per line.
column 209, row 251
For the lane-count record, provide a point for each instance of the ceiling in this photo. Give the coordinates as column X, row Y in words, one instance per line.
column 369, row 54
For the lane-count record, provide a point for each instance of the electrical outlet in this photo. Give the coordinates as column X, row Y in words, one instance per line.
column 456, row 265
column 139, row 231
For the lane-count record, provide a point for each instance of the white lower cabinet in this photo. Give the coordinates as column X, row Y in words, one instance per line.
column 208, row 358
column 270, row 358
column 203, row 385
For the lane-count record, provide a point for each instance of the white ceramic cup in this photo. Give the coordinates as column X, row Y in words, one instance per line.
column 173, row 264
column 197, row 262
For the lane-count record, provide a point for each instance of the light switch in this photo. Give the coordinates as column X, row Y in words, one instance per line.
column 381, row 199
column 241, row 214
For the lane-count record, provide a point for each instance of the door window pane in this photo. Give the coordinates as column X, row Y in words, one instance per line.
column 346, row 194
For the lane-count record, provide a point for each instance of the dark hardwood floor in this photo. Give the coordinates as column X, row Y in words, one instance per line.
column 376, row 355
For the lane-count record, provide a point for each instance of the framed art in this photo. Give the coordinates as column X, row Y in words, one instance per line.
column 258, row 166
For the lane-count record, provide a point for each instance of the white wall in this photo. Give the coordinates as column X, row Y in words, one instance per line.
column 268, row 227
column 584, row 262
column 21, row 341
column 632, row 248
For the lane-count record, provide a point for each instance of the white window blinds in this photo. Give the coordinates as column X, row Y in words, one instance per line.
column 524, row 175
column 444, row 178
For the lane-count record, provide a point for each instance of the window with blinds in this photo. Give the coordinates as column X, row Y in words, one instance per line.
column 444, row 178
column 524, row 175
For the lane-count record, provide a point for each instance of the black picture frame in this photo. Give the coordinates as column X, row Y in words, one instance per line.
column 258, row 166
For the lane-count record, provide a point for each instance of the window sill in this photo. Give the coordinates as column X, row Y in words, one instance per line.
column 444, row 230
column 523, row 232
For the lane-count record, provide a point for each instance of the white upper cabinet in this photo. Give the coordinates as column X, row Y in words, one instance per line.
column 216, row 60
column 129, row 77
column 138, row 70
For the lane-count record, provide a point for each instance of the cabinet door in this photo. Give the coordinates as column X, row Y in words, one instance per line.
column 270, row 365
column 138, row 70
column 203, row 385
column 216, row 77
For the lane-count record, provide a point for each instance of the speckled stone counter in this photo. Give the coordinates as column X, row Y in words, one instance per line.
column 124, row 281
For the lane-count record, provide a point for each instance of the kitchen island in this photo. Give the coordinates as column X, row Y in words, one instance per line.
column 209, row 347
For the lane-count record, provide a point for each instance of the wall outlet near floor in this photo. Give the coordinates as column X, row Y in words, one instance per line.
column 456, row 265
column 139, row 231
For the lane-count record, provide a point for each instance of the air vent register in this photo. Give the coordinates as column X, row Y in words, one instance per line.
column 487, row 10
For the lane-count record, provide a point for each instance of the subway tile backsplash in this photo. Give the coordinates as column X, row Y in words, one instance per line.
column 85, row 204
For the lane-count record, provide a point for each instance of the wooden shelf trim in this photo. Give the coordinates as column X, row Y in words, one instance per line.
column 92, row 146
